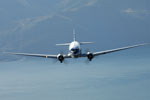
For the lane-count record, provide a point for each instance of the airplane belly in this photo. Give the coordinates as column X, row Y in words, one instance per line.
column 74, row 55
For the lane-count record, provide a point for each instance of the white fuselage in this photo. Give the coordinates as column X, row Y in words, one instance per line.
column 74, row 49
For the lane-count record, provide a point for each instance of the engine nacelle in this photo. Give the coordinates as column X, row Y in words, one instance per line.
column 90, row 56
column 60, row 57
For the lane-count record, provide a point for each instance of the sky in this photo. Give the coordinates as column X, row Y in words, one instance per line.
column 36, row 26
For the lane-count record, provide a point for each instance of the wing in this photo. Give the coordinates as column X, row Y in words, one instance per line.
column 37, row 55
column 63, row 44
column 82, row 43
column 118, row 49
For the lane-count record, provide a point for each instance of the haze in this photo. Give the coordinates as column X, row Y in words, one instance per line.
column 36, row 26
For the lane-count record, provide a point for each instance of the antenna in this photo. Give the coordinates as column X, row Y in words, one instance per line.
column 74, row 35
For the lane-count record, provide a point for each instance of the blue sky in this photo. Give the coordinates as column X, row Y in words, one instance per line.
column 36, row 26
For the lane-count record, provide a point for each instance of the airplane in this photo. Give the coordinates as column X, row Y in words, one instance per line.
column 75, row 51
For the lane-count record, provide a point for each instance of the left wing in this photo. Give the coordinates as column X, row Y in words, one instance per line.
column 118, row 49
column 37, row 55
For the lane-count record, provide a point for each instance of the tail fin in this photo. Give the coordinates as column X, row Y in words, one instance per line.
column 74, row 35
column 74, row 39
column 81, row 43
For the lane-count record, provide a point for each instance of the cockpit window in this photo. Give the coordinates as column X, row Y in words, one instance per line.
column 75, row 51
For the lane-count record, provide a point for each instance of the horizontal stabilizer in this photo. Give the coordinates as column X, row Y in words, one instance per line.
column 63, row 44
column 82, row 43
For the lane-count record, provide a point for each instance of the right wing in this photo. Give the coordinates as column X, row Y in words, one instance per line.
column 118, row 49
column 63, row 44
column 37, row 55
column 82, row 43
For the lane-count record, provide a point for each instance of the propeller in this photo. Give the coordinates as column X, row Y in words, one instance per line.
column 86, row 51
column 61, row 53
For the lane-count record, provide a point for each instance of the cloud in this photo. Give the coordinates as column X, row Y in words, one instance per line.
column 65, row 5
column 26, row 24
column 20, row 88
column 65, row 17
column 86, row 4
column 75, row 6
column 129, row 11
column 25, row 3
column 91, row 3
column 137, row 13
column 30, row 22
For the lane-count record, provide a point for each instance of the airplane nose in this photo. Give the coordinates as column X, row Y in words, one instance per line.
column 74, row 51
